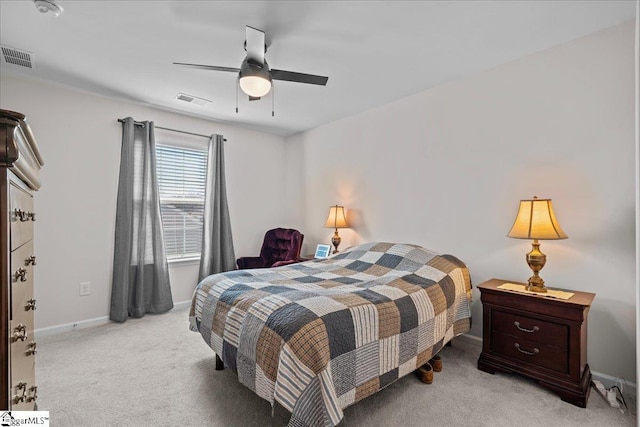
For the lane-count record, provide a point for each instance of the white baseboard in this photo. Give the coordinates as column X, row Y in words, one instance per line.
column 182, row 304
column 82, row 324
column 630, row 388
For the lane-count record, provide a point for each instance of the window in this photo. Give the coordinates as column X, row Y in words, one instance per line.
column 181, row 185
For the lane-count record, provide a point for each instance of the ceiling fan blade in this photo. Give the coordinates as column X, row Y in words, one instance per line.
column 208, row 67
column 255, row 45
column 291, row 76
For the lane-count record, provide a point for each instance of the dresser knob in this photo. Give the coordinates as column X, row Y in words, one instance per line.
column 33, row 393
column 530, row 353
column 31, row 349
column 21, row 390
column 19, row 333
column 20, row 274
column 31, row 305
column 31, row 260
column 535, row 328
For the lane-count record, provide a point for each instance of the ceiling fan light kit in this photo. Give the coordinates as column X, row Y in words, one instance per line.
column 45, row 6
column 255, row 86
column 255, row 80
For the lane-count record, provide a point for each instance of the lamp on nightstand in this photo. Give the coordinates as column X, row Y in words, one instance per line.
column 536, row 220
column 336, row 219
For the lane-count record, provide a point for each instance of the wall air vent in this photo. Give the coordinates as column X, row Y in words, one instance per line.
column 192, row 99
column 17, row 57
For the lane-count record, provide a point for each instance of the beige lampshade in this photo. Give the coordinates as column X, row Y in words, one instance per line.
column 536, row 220
column 336, row 218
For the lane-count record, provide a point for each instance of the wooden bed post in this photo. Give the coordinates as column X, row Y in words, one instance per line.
column 219, row 363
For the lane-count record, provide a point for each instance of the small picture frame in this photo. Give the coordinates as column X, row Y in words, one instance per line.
column 323, row 251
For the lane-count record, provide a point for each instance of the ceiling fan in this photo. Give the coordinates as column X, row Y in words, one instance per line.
column 254, row 74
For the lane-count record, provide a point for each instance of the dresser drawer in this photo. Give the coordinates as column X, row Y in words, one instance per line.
column 22, row 357
column 22, row 285
column 21, row 216
column 22, row 388
column 531, row 329
column 530, row 351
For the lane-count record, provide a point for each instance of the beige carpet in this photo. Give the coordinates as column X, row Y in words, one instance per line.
column 155, row 372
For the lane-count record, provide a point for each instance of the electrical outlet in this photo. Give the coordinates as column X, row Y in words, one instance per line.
column 85, row 289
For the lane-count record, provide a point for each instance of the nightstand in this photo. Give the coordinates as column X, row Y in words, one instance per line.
column 539, row 337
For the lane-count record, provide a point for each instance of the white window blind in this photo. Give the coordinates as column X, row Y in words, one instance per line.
column 181, row 185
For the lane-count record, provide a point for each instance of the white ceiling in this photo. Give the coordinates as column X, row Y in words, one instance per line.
column 373, row 52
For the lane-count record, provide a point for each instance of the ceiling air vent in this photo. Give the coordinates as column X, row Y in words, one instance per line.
column 192, row 99
column 14, row 56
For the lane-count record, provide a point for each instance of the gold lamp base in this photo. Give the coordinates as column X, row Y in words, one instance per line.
column 536, row 261
column 335, row 241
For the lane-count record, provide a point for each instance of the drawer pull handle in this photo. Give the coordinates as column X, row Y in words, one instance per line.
column 21, row 215
column 31, row 305
column 31, row 349
column 33, row 393
column 530, row 353
column 535, row 328
column 19, row 333
column 24, row 216
column 31, row 260
column 21, row 386
column 20, row 274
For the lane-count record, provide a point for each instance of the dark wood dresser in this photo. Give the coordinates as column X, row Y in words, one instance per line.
column 539, row 337
column 20, row 163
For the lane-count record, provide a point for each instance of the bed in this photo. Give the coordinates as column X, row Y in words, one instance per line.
column 320, row 335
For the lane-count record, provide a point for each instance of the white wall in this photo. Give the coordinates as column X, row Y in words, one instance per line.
column 446, row 168
column 80, row 139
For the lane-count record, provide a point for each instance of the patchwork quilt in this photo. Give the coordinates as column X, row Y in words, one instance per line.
column 321, row 335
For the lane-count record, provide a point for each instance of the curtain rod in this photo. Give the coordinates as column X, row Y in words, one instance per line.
column 173, row 130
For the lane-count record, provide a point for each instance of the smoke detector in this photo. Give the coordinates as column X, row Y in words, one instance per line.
column 45, row 6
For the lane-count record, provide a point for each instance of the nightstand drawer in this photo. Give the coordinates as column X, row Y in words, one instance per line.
column 530, row 351
column 531, row 329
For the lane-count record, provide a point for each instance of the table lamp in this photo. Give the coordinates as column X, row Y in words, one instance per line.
column 536, row 220
column 336, row 219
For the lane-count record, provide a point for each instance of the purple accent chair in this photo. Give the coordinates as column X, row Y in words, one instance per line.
column 281, row 246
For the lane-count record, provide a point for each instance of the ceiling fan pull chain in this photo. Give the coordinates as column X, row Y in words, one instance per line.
column 273, row 97
column 237, row 85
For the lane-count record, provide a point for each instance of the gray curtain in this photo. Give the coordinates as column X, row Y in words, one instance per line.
column 140, row 273
column 217, row 243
